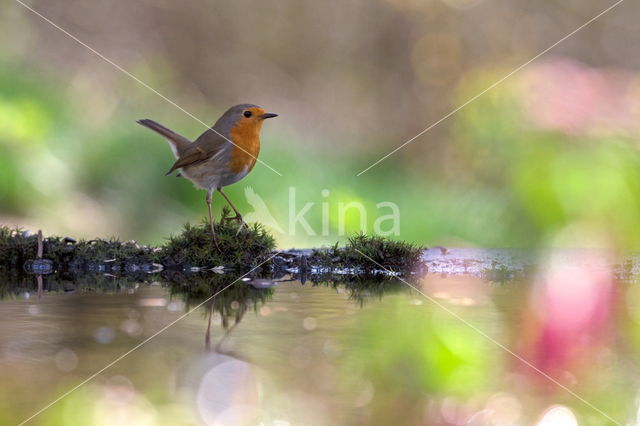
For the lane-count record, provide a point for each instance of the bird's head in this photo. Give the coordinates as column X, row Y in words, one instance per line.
column 243, row 118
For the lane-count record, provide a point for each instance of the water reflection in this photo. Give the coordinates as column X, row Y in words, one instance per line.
column 329, row 350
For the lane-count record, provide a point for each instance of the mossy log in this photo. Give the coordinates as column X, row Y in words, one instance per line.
column 242, row 248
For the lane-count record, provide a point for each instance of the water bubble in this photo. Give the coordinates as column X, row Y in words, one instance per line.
column 265, row 310
column 300, row 357
column 310, row 323
column 326, row 377
column 175, row 306
column 229, row 394
column 66, row 360
column 120, row 389
column 152, row 302
column 131, row 327
column 33, row 309
column 332, row 349
column 133, row 314
column 104, row 335
column 558, row 415
column 505, row 408
column 467, row 301
column 365, row 395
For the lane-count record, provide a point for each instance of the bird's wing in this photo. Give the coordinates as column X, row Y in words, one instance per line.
column 207, row 146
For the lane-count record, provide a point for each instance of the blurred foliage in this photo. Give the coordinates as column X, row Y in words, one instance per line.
column 553, row 180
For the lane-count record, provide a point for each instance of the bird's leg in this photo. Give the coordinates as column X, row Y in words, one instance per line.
column 207, row 336
column 214, row 239
column 238, row 216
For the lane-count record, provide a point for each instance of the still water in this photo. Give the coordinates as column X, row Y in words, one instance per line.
column 485, row 338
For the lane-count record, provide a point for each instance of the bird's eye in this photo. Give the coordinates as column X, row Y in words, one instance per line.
column 247, row 114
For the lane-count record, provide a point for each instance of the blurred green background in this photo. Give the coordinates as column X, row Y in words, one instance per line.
column 548, row 157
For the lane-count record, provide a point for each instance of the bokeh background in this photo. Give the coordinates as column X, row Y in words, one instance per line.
column 548, row 157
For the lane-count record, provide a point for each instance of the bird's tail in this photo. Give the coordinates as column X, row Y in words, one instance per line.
column 177, row 142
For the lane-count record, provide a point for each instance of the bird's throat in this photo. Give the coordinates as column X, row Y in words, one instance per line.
column 246, row 138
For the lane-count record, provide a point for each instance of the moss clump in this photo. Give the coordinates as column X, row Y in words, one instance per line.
column 240, row 247
column 371, row 253
column 18, row 246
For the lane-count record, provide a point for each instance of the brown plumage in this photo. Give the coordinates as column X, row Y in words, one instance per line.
column 222, row 155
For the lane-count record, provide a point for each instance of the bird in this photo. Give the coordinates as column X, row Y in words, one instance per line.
column 222, row 155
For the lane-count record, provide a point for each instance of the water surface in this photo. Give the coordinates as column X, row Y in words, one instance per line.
column 484, row 338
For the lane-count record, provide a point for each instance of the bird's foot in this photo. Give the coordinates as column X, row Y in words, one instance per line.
column 243, row 225
column 237, row 218
column 214, row 241
column 241, row 222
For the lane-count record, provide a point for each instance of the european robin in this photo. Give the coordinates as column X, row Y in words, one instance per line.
column 221, row 156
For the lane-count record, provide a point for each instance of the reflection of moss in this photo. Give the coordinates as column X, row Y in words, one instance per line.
column 239, row 247
column 370, row 253
column 498, row 274
column 363, row 288
column 16, row 282
column 232, row 302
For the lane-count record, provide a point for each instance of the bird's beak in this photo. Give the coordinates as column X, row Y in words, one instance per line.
column 268, row 115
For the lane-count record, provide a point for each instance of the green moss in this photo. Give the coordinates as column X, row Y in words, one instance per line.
column 371, row 253
column 240, row 247
column 18, row 246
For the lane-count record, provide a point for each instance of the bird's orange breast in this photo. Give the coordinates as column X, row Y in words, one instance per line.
column 246, row 138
